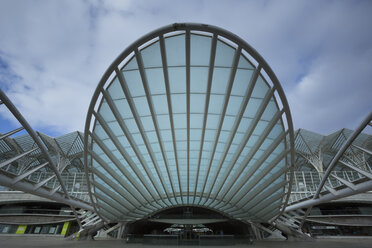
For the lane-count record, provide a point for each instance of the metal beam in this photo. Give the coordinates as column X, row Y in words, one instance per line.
column 246, row 138
column 170, row 112
column 156, row 127
column 122, row 151
column 363, row 172
column 37, row 140
column 187, row 50
column 186, row 29
column 347, row 183
column 130, row 188
column 360, row 188
column 363, row 149
column 9, row 161
column 206, row 106
column 344, row 147
column 28, row 187
column 139, row 124
column 221, row 120
column 122, row 191
column 11, row 133
column 245, row 101
column 24, row 175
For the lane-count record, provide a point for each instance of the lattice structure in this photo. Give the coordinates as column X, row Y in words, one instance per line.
column 189, row 115
column 27, row 164
column 348, row 172
column 314, row 154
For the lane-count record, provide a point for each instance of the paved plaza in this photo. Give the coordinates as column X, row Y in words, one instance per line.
column 18, row 242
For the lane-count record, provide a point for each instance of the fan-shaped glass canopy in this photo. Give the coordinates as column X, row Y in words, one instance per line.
column 189, row 115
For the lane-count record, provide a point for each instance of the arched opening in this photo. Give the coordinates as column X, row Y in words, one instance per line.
column 189, row 223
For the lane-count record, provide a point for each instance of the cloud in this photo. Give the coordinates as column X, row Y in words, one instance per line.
column 53, row 53
column 334, row 94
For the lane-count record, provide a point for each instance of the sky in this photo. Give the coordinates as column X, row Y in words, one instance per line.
column 53, row 53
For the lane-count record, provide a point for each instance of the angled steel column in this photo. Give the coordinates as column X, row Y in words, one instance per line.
column 28, row 187
column 350, row 190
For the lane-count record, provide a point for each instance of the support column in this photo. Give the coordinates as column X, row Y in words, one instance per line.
column 256, row 232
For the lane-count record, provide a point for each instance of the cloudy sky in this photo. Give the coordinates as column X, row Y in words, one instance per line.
column 53, row 53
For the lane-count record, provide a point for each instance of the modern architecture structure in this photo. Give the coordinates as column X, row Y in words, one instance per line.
column 188, row 133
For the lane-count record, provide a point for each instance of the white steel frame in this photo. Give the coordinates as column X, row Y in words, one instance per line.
column 124, row 198
column 19, row 182
column 351, row 189
column 326, row 193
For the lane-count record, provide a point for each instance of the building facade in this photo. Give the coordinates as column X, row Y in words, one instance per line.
column 188, row 131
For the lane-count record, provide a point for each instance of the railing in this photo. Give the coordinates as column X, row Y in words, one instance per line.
column 342, row 211
column 305, row 183
column 17, row 211
column 75, row 183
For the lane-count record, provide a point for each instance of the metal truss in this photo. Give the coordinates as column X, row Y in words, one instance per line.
column 26, row 163
column 308, row 147
column 189, row 114
column 348, row 173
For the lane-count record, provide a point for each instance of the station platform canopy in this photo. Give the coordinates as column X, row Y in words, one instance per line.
column 189, row 115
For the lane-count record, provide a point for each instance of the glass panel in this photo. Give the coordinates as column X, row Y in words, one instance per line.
column 115, row 128
column 252, row 107
column 137, row 138
column 241, row 168
column 132, row 64
column 260, row 89
column 98, row 130
column 134, row 82
column 244, row 63
column 220, row 80
column 277, row 130
column 155, row 79
column 212, row 121
column 142, row 106
column 252, row 140
column 209, row 135
column 168, row 147
column 179, row 120
column 228, row 123
column 270, row 111
column 164, row 123
column 177, row 79
column 224, row 54
column 125, row 111
column 151, row 135
column 106, row 112
column 261, row 125
column 233, row 106
column 115, row 90
column 197, row 102
column 123, row 140
column 131, row 125
column 241, row 82
column 215, row 104
column 195, row 134
column 151, row 55
column 198, row 79
column 147, row 123
column 180, row 135
column 224, row 135
column 196, row 120
column 238, row 138
column 160, row 104
column 178, row 103
column 175, row 50
column 200, row 47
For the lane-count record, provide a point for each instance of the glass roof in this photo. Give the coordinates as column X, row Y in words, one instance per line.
column 188, row 115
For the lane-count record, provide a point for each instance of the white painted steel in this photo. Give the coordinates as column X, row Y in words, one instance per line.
column 189, row 114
